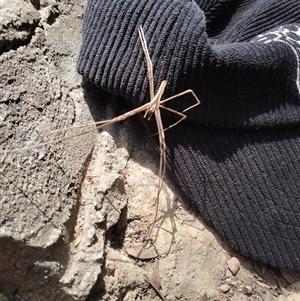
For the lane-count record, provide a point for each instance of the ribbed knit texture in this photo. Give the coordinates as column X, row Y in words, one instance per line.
column 237, row 156
column 245, row 184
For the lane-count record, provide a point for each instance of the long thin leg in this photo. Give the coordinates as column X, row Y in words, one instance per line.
column 183, row 116
column 183, row 93
column 109, row 121
column 145, row 108
column 99, row 125
column 162, row 163
column 148, row 61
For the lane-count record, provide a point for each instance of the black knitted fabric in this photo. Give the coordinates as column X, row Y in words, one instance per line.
column 237, row 156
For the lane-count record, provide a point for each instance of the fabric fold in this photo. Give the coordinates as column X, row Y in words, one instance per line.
column 237, row 155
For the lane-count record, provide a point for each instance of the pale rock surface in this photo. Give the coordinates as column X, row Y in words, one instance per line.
column 67, row 210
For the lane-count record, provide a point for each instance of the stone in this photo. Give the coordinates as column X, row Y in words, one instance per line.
column 224, row 288
column 18, row 20
column 233, row 265
column 140, row 251
column 38, row 187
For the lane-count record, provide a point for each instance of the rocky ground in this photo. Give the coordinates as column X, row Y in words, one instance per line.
column 74, row 215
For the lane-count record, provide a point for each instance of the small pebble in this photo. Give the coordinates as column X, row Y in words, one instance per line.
column 140, row 251
column 105, row 297
column 228, row 274
column 233, row 265
column 224, row 288
column 229, row 281
column 247, row 290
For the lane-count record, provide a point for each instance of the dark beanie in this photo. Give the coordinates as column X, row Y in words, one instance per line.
column 237, row 156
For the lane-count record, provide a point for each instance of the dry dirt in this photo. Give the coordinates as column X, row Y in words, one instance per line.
column 74, row 215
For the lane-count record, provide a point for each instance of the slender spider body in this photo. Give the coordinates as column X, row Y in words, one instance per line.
column 152, row 107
